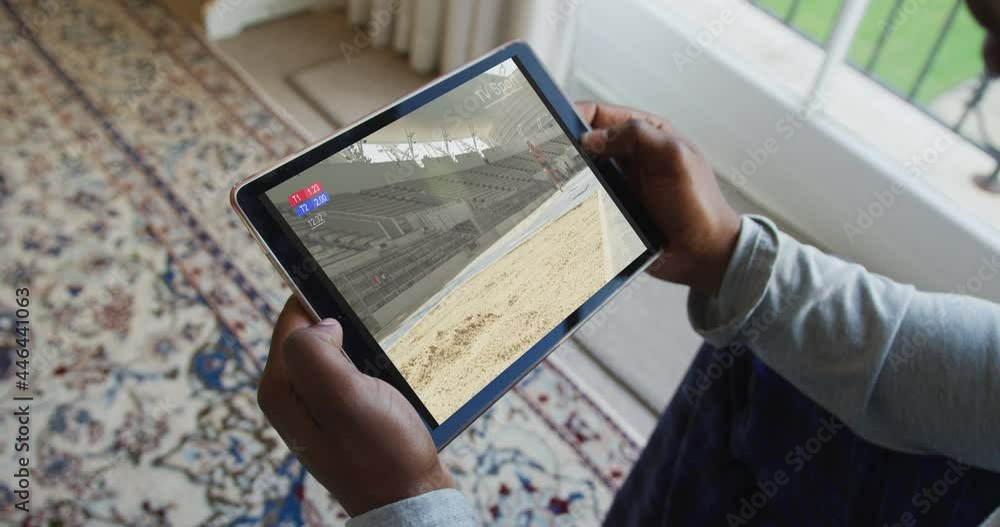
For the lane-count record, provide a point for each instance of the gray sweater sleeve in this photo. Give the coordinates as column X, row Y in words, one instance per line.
column 911, row 371
column 908, row 370
column 440, row 508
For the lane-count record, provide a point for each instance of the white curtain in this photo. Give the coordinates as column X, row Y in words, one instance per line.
column 440, row 35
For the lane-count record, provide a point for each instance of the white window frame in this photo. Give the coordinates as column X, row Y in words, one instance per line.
column 819, row 179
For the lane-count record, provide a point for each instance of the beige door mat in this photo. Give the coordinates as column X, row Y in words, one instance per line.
column 346, row 88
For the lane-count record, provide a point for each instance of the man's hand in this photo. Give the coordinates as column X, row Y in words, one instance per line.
column 677, row 187
column 358, row 436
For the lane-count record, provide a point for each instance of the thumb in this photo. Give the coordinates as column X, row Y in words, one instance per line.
column 316, row 365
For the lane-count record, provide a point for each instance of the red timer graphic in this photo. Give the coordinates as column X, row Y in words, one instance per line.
column 305, row 194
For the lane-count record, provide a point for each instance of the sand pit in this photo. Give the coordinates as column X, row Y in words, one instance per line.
column 488, row 322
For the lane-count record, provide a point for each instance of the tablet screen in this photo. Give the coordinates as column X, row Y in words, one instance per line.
column 462, row 233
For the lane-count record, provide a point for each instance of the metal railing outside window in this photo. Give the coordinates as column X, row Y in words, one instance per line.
column 945, row 26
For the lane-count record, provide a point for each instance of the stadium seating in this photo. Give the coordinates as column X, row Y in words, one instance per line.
column 380, row 269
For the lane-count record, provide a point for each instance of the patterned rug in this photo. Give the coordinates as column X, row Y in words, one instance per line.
column 151, row 309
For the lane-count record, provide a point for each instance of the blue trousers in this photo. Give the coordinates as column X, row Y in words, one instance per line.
column 739, row 445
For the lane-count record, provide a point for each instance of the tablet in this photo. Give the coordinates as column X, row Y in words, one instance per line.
column 458, row 234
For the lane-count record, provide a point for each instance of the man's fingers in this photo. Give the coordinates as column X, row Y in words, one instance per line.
column 293, row 316
column 586, row 109
column 275, row 394
column 637, row 138
column 620, row 140
column 274, row 379
column 288, row 414
column 319, row 370
column 601, row 115
column 305, row 359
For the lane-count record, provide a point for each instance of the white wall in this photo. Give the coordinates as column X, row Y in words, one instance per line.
column 816, row 176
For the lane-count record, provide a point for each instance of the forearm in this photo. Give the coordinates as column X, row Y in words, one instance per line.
column 908, row 370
